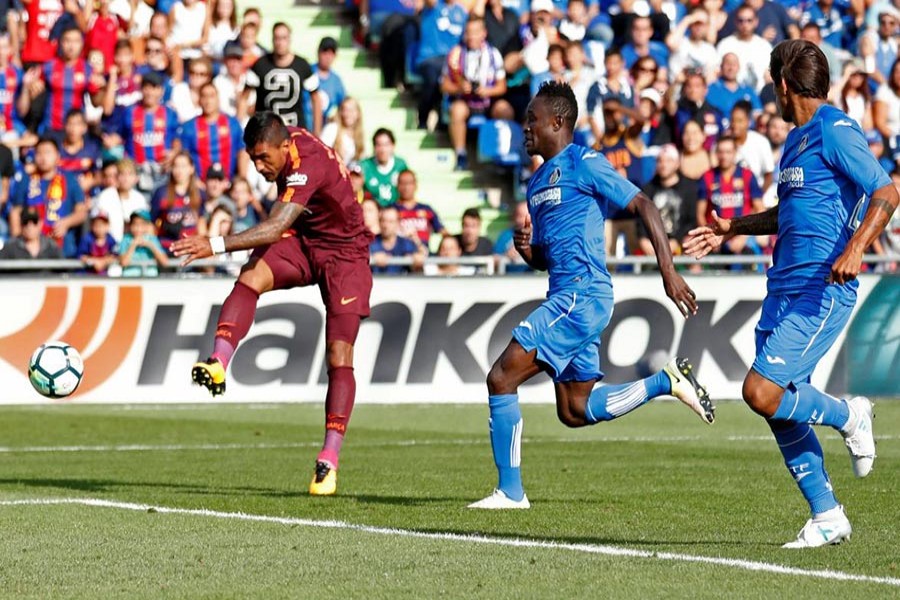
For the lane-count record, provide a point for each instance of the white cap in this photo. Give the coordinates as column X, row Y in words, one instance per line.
column 542, row 5
column 653, row 95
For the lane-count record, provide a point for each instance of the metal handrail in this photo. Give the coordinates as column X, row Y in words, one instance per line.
column 491, row 264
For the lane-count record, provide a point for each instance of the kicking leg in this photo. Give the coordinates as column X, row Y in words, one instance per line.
column 579, row 404
column 514, row 367
column 340, row 335
column 235, row 319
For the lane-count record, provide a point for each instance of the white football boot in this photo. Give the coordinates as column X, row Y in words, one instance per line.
column 859, row 437
column 831, row 527
column 686, row 388
column 500, row 501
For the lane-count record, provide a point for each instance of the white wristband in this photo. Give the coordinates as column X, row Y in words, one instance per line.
column 218, row 244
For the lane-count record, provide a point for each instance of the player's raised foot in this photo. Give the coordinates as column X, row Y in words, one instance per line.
column 859, row 437
column 831, row 527
column 210, row 374
column 686, row 388
column 324, row 481
column 500, row 501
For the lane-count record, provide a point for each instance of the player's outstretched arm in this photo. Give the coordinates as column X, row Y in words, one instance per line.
column 676, row 288
column 709, row 238
column 881, row 207
column 269, row 231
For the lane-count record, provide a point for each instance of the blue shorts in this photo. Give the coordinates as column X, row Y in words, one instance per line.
column 796, row 330
column 565, row 330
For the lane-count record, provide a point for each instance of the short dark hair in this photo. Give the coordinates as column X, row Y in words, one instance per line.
column 47, row 140
column 407, row 172
column 561, row 99
column 123, row 44
column 613, row 51
column 265, row 127
column 472, row 213
column 727, row 137
column 743, row 106
column 803, row 66
column 384, row 131
column 281, row 24
column 74, row 112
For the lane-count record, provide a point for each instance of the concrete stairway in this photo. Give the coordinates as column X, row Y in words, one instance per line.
column 429, row 155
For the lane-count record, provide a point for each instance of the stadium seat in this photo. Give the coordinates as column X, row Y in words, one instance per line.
column 501, row 142
column 412, row 77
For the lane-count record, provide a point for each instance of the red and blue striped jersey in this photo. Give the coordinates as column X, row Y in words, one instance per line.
column 213, row 141
column 10, row 82
column 731, row 196
column 66, row 86
column 83, row 160
column 148, row 133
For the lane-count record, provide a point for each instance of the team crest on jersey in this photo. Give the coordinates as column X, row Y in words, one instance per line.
column 296, row 179
column 555, row 175
column 804, row 142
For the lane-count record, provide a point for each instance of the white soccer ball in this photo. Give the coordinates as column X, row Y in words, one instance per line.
column 55, row 369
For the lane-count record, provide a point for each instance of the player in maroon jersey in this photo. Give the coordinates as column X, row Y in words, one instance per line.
column 314, row 236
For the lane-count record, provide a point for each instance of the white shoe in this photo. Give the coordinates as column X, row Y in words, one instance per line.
column 860, row 439
column 828, row 528
column 686, row 388
column 500, row 501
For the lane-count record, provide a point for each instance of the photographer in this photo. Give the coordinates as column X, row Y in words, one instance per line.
column 475, row 80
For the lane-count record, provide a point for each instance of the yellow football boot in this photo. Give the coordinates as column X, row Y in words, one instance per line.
column 324, row 481
column 210, row 374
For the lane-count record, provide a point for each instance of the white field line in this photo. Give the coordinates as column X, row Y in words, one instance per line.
column 746, row 565
column 386, row 444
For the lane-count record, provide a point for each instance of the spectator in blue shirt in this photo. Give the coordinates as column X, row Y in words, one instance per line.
column 826, row 16
column 388, row 244
column 725, row 92
column 641, row 45
column 331, row 88
column 773, row 22
column 442, row 27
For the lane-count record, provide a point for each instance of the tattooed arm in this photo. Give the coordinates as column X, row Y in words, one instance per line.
column 269, row 231
column 881, row 207
column 709, row 238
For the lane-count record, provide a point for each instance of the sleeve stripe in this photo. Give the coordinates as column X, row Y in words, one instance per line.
column 288, row 194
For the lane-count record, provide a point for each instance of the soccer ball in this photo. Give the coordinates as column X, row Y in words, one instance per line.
column 55, row 369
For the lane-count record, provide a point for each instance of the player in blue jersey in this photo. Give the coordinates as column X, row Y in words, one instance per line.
column 569, row 198
column 834, row 201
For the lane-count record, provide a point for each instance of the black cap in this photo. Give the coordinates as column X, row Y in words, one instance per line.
column 233, row 50
column 215, row 171
column 30, row 215
column 328, row 43
column 152, row 78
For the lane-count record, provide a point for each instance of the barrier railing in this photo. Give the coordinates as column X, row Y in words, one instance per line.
column 486, row 265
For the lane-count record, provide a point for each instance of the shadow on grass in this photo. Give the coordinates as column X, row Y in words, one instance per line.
column 641, row 544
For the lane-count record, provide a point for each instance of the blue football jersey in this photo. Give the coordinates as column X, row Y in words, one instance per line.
column 569, row 198
column 827, row 175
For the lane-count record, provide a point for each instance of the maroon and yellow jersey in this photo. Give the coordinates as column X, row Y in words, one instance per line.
column 314, row 177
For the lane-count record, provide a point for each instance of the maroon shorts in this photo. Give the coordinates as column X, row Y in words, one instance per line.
column 342, row 274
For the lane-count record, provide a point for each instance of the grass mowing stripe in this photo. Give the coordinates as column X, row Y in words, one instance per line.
column 607, row 550
column 396, row 443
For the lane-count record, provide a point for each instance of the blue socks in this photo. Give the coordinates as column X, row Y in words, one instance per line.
column 611, row 401
column 802, row 403
column 506, row 442
column 803, row 457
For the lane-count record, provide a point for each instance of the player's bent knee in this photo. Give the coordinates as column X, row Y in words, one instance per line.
column 339, row 354
column 761, row 398
column 497, row 381
column 569, row 418
column 257, row 275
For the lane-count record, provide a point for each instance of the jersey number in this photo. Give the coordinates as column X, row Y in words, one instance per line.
column 283, row 87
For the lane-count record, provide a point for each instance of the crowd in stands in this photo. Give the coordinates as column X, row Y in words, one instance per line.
column 121, row 120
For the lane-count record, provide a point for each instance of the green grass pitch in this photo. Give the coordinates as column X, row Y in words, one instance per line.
column 659, row 482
